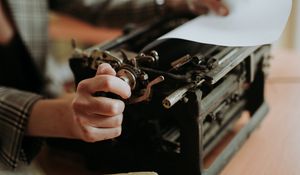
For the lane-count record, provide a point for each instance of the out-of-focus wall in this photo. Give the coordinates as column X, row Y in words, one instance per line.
column 290, row 38
column 297, row 25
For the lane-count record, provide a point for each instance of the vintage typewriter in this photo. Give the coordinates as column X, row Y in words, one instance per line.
column 186, row 96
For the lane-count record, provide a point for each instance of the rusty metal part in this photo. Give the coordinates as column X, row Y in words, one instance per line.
column 181, row 61
column 128, row 77
column 147, row 92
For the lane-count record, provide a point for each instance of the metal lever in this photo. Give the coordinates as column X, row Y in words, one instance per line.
column 147, row 93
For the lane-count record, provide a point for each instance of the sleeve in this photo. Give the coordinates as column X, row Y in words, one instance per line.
column 15, row 147
column 113, row 13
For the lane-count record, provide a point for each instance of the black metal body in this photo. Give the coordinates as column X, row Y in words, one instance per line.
column 198, row 124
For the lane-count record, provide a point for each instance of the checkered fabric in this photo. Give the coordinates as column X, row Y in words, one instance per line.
column 31, row 19
column 114, row 13
column 15, row 107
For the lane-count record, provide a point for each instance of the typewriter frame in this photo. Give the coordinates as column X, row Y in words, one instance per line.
column 192, row 150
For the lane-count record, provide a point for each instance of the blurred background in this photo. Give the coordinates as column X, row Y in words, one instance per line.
column 290, row 39
column 64, row 28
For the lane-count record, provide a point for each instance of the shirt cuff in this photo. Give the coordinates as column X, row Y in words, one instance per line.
column 15, row 108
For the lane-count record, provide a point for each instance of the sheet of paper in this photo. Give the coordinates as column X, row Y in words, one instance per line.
column 250, row 23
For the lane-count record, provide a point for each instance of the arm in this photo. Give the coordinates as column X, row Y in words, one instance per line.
column 199, row 6
column 15, row 108
column 109, row 12
column 118, row 13
column 78, row 116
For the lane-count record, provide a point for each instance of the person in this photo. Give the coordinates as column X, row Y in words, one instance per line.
column 26, row 115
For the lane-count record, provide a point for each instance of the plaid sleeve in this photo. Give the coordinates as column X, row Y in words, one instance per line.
column 114, row 13
column 15, row 147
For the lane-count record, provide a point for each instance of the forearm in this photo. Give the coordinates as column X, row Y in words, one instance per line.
column 51, row 118
column 15, row 107
column 110, row 12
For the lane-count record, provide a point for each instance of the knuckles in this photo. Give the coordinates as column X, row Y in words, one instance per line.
column 116, row 108
column 117, row 121
column 104, row 68
column 78, row 104
column 86, row 134
column 91, row 137
column 112, row 108
column 116, row 132
column 88, row 137
column 82, row 86
column 107, row 83
column 92, row 134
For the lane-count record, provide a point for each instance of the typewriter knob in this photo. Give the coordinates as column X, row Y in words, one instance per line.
column 146, row 59
column 128, row 77
column 197, row 59
column 154, row 54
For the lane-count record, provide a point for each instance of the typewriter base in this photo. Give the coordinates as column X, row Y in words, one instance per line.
column 185, row 164
column 222, row 159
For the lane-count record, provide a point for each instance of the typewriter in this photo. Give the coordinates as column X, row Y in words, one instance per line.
column 186, row 97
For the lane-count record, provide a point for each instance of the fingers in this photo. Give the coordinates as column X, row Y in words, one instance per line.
column 104, row 83
column 105, row 68
column 97, row 134
column 203, row 6
column 101, row 121
column 93, row 134
column 97, row 118
column 217, row 6
column 198, row 8
column 98, row 105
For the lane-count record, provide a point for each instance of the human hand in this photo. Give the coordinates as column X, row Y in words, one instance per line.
column 198, row 6
column 99, row 118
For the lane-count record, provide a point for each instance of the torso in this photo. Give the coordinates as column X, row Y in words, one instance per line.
column 17, row 69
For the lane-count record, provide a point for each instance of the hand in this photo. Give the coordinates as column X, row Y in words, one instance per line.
column 99, row 118
column 81, row 115
column 198, row 6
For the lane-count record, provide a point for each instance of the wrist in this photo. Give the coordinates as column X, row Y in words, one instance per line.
column 51, row 118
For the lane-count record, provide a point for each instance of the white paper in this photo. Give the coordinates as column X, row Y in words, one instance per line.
column 250, row 23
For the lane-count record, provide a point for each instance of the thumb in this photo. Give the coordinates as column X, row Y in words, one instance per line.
column 105, row 68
